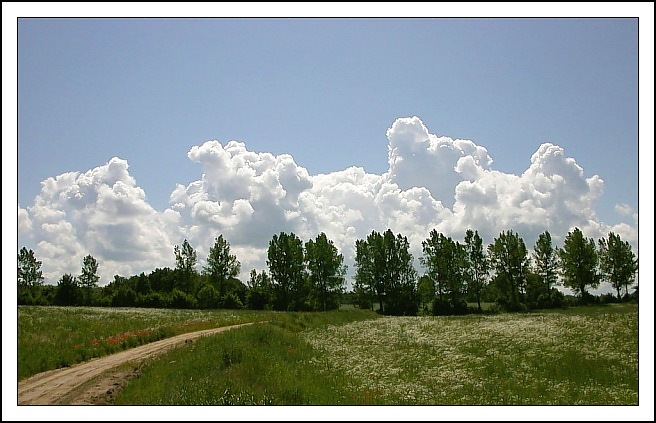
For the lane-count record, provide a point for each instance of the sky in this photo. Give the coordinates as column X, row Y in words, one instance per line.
column 135, row 134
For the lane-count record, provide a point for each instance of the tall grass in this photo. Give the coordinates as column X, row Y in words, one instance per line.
column 54, row 337
column 266, row 364
column 576, row 356
column 582, row 355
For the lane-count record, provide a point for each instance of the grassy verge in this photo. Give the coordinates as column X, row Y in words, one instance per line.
column 54, row 337
column 268, row 364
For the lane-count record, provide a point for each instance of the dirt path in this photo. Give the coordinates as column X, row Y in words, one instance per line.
column 99, row 380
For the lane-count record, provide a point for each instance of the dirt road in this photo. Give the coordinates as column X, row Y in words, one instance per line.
column 97, row 381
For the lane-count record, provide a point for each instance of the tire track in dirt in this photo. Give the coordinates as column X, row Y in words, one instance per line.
column 60, row 386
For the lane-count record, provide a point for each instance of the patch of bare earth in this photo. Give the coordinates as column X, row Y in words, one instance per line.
column 98, row 381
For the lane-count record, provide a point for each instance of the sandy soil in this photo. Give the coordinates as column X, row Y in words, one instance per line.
column 99, row 380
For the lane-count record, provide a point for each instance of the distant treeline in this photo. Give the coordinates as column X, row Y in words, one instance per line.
column 458, row 276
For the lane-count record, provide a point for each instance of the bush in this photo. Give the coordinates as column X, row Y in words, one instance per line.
column 493, row 309
column 608, row 299
column 446, row 308
column 554, row 299
column 208, row 297
column 181, row 299
column 155, row 300
column 231, row 301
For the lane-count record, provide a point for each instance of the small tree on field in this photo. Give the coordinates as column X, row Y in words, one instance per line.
column 89, row 278
column 221, row 265
column 185, row 265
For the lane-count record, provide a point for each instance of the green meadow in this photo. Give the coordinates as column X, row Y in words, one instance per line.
column 53, row 337
column 581, row 355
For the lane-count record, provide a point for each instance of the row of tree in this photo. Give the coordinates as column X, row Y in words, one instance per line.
column 310, row 276
column 301, row 276
column 457, row 273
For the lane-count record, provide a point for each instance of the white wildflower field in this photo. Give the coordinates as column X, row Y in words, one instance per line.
column 567, row 357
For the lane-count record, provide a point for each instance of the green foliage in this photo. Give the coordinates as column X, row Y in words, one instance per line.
column 261, row 292
column 545, row 258
column 232, row 301
column 125, row 297
column 326, row 271
column 477, row 266
column 181, row 299
column 287, row 269
column 579, row 261
column 221, row 265
column 311, row 277
column 446, row 307
column 445, row 264
column 30, row 277
column 155, row 300
column 88, row 279
column 185, row 266
column 509, row 258
column 426, row 292
column 617, row 262
column 384, row 272
column 208, row 297
column 68, row 291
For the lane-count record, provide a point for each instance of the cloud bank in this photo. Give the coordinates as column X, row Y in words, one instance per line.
column 433, row 182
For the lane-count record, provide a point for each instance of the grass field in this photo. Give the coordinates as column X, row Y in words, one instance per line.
column 54, row 337
column 583, row 355
column 586, row 355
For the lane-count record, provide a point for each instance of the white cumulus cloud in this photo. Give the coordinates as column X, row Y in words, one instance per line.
column 433, row 182
column 100, row 212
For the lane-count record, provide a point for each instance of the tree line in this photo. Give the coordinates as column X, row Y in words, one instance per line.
column 310, row 276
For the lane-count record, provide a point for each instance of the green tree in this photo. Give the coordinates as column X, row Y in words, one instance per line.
column 30, row 276
column 286, row 266
column 444, row 261
column 402, row 276
column 477, row 265
column 88, row 279
column 617, row 262
column 67, row 291
column 369, row 269
column 260, row 295
column 509, row 259
column 208, row 296
column 578, row 263
column 385, row 271
column 363, row 295
column 221, row 265
column 545, row 259
column 185, row 265
column 326, row 270
column 426, row 292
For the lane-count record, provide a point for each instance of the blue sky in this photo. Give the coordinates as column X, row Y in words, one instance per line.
column 336, row 125
column 324, row 91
